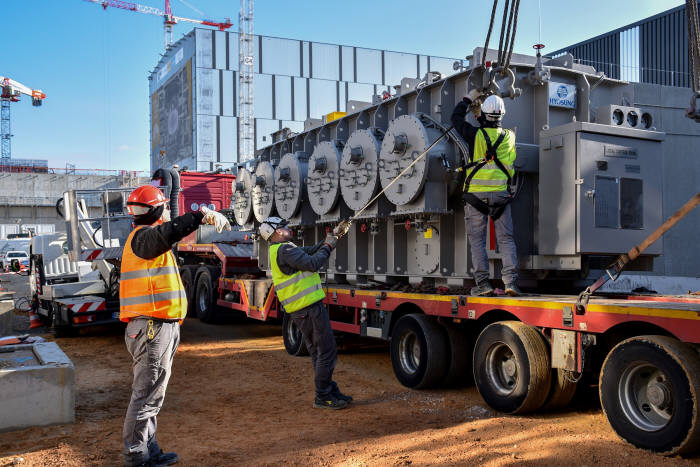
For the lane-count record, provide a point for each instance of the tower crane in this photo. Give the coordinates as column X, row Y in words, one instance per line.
column 10, row 91
column 168, row 18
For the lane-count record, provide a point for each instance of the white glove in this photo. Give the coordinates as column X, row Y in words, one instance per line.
column 216, row 219
column 474, row 95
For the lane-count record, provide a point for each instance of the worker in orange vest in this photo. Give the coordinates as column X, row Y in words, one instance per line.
column 152, row 301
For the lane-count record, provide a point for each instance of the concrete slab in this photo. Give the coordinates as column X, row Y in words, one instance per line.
column 7, row 314
column 37, row 386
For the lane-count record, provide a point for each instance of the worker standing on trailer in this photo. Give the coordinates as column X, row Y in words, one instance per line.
column 299, row 291
column 487, row 187
column 153, row 303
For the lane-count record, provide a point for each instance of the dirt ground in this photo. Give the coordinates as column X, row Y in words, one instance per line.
column 237, row 398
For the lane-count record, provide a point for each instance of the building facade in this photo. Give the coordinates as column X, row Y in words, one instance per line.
column 653, row 50
column 194, row 91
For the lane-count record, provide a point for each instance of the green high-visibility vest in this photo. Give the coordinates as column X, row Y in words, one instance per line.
column 298, row 290
column 490, row 177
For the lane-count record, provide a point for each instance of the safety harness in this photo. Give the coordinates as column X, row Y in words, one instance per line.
column 495, row 210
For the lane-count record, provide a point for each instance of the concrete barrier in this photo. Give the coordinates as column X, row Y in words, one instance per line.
column 7, row 314
column 37, row 386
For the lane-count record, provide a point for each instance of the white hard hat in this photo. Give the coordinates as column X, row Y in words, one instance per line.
column 493, row 108
column 268, row 227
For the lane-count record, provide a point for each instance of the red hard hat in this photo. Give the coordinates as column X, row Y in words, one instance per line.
column 145, row 198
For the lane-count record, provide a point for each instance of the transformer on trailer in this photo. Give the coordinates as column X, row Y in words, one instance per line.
column 589, row 176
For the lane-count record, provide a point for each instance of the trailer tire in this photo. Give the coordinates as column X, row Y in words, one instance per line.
column 419, row 351
column 293, row 340
column 561, row 392
column 649, row 387
column 512, row 367
column 204, row 296
column 459, row 371
column 187, row 276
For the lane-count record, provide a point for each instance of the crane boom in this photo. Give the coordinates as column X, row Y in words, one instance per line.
column 168, row 18
column 10, row 91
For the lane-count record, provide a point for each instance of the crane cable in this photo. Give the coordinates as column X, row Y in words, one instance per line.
column 509, row 27
column 691, row 12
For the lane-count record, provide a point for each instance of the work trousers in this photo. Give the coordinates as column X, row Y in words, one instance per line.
column 153, row 358
column 476, row 225
column 315, row 327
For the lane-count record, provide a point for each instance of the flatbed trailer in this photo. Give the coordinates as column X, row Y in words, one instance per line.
column 527, row 353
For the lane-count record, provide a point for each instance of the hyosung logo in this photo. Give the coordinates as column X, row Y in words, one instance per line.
column 562, row 95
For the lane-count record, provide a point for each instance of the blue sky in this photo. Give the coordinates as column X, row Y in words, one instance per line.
column 93, row 64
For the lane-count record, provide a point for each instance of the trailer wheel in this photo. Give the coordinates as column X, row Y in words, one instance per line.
column 419, row 351
column 649, row 388
column 204, row 296
column 459, row 372
column 562, row 390
column 512, row 367
column 293, row 340
column 187, row 277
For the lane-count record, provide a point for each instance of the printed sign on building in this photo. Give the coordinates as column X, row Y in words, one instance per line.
column 562, row 95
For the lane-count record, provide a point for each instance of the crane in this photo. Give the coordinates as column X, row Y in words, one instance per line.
column 10, row 91
column 168, row 18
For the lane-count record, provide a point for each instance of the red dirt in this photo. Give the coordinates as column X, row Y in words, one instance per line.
column 237, row 398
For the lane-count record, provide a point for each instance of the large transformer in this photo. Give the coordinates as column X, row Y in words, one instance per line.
column 589, row 177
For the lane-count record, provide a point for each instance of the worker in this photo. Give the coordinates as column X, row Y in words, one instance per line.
column 299, row 291
column 153, row 303
column 487, row 187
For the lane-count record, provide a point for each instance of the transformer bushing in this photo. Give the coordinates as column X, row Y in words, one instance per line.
column 291, row 199
column 263, row 191
column 242, row 200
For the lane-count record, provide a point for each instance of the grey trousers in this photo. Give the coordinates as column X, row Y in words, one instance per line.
column 153, row 359
column 315, row 326
column 476, row 225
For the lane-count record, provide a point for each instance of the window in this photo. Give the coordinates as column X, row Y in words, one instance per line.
column 280, row 56
column 228, row 132
column 227, row 88
column 360, row 92
column 325, row 61
column 233, row 51
column 220, row 50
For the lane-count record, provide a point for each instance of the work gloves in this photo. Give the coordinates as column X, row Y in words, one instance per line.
column 216, row 219
column 331, row 240
column 342, row 228
column 476, row 97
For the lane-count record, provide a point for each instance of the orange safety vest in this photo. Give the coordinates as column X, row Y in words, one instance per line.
column 150, row 287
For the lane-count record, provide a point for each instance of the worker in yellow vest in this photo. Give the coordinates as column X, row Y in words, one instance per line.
column 487, row 187
column 300, row 292
column 152, row 301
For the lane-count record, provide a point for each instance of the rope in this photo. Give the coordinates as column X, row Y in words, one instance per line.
column 488, row 35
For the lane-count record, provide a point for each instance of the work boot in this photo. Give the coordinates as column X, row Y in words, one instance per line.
column 162, row 459
column 329, row 402
column 340, row 396
column 482, row 290
column 512, row 290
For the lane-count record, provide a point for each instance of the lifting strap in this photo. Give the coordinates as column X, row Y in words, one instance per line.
column 491, row 155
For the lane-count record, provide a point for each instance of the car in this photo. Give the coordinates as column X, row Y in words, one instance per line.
column 10, row 256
